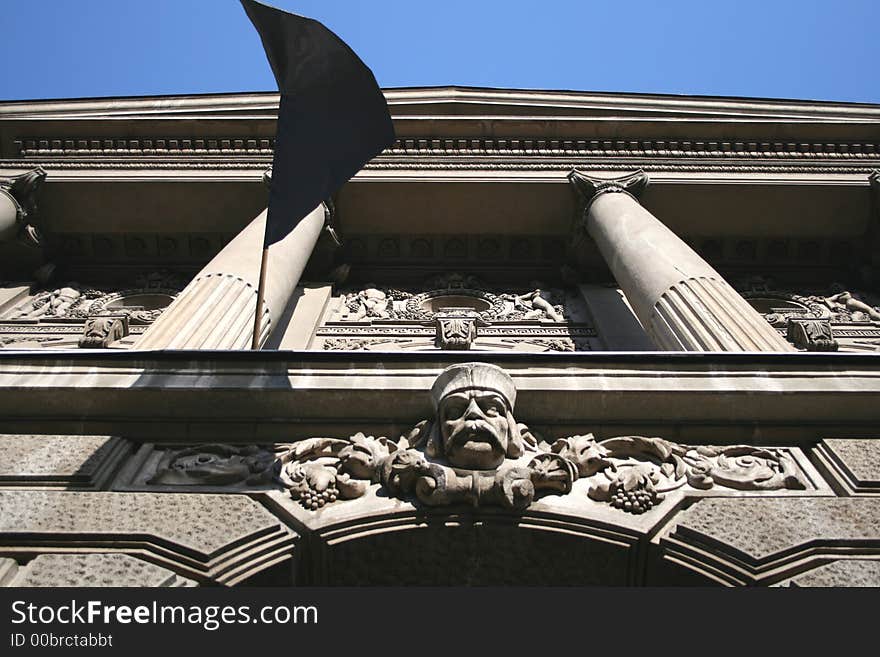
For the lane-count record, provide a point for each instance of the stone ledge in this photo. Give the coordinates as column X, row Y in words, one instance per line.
column 246, row 395
column 844, row 573
column 766, row 540
column 101, row 569
column 851, row 465
column 60, row 461
column 221, row 539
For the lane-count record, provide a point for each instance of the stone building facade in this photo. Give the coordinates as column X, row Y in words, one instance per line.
column 546, row 338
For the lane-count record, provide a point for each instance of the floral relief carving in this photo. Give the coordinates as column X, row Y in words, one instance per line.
column 472, row 451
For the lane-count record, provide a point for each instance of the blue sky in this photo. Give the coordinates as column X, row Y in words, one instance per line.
column 803, row 49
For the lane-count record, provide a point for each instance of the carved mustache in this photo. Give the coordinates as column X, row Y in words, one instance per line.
column 470, row 428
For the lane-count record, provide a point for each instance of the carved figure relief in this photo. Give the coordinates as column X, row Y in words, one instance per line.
column 453, row 291
column 847, row 307
column 64, row 301
column 851, row 318
column 142, row 303
column 76, row 314
column 457, row 311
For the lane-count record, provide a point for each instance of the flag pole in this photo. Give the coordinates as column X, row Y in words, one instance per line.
column 261, row 290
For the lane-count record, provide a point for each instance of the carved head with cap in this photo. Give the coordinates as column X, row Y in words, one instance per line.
column 474, row 426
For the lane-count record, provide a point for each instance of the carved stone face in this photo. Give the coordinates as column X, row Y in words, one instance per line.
column 474, row 428
column 99, row 328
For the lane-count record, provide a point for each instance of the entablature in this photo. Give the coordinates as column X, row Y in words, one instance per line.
column 274, row 395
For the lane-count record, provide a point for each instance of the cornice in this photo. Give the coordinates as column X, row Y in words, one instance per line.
column 509, row 100
column 663, row 172
column 295, row 389
column 50, row 147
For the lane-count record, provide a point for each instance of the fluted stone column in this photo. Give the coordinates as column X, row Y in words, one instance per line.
column 682, row 302
column 216, row 310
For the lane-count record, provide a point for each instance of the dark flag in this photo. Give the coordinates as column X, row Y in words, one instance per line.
column 333, row 118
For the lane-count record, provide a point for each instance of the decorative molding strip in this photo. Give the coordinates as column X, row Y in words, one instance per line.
column 635, row 148
column 42, row 147
column 458, row 147
column 491, row 331
column 67, row 329
column 567, row 166
column 560, row 166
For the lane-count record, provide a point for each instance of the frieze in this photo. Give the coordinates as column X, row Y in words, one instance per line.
column 551, row 344
column 453, row 291
column 69, row 301
column 516, row 330
column 568, row 331
column 849, row 332
column 473, row 451
column 359, row 344
column 431, row 341
column 374, row 330
column 7, row 341
column 835, row 317
column 71, row 328
column 141, row 304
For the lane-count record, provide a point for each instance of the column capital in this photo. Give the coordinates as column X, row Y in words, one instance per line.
column 18, row 206
column 590, row 187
